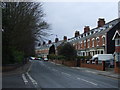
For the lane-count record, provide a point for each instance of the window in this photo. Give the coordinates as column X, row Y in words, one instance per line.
column 118, row 57
column 103, row 40
column 88, row 43
column 93, row 41
column 117, row 42
column 85, row 44
column 101, row 52
column 97, row 41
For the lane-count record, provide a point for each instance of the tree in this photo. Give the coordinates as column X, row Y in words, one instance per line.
column 23, row 25
column 52, row 49
column 67, row 50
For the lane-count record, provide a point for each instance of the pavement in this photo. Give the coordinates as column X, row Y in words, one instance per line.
column 108, row 72
column 19, row 70
column 111, row 74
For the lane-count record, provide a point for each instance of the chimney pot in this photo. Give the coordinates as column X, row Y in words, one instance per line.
column 77, row 33
column 65, row 38
column 101, row 22
column 86, row 29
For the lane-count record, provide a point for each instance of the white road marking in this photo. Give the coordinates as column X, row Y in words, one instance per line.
column 89, row 82
column 30, row 67
column 65, row 73
column 24, row 79
column 32, row 80
column 90, row 71
column 79, row 78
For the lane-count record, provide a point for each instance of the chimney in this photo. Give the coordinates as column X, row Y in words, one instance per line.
column 77, row 33
column 65, row 38
column 44, row 42
column 101, row 22
column 49, row 42
column 86, row 29
column 56, row 40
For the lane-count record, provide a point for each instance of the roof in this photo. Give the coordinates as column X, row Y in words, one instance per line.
column 96, row 31
column 116, row 33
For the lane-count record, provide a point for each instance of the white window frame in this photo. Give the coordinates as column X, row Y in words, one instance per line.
column 93, row 42
column 117, row 42
column 103, row 37
column 98, row 40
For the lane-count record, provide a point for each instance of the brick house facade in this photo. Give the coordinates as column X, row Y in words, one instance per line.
column 93, row 41
column 116, row 38
column 97, row 40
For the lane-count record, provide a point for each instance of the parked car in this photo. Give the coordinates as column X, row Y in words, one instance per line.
column 108, row 58
column 45, row 59
column 31, row 58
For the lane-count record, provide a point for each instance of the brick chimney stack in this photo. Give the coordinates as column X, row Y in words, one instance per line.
column 65, row 38
column 101, row 22
column 56, row 40
column 49, row 42
column 77, row 33
column 86, row 29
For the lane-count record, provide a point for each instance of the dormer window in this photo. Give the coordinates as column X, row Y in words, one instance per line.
column 92, row 32
column 82, row 35
column 110, row 26
column 88, row 33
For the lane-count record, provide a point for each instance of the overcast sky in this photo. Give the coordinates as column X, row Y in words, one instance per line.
column 67, row 17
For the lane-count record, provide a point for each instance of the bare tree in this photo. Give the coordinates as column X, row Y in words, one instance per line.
column 23, row 24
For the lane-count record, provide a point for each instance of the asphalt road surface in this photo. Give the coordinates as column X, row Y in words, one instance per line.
column 43, row 74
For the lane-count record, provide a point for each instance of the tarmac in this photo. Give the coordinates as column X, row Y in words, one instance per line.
column 109, row 71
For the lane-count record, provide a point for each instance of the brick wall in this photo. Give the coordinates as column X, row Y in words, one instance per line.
column 117, row 49
column 93, row 66
column 117, row 67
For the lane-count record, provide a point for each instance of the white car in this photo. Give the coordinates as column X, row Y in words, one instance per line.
column 45, row 59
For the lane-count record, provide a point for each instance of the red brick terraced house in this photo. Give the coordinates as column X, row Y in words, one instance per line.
column 97, row 40
column 93, row 41
column 117, row 45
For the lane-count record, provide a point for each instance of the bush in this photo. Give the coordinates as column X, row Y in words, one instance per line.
column 67, row 50
column 53, row 56
column 84, row 57
column 18, row 56
column 12, row 56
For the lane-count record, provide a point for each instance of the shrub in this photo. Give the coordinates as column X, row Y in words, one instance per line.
column 67, row 50
column 84, row 57
column 18, row 56
column 53, row 56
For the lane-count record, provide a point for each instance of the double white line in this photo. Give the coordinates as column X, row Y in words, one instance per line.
column 26, row 81
column 32, row 80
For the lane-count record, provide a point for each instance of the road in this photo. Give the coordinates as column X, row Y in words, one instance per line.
column 43, row 74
